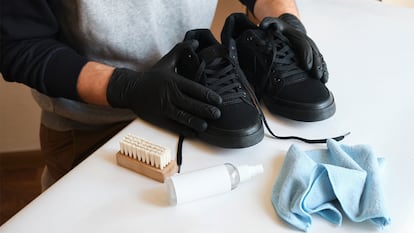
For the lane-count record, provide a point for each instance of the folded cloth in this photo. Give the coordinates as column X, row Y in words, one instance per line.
column 327, row 182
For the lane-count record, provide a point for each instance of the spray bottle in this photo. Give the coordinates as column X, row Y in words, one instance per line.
column 207, row 182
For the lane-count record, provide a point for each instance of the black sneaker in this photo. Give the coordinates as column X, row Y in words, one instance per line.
column 240, row 123
column 270, row 65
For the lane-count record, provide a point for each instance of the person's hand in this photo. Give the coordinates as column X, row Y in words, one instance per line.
column 310, row 58
column 163, row 97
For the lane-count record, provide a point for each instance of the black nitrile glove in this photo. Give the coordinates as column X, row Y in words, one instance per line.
column 164, row 98
column 308, row 54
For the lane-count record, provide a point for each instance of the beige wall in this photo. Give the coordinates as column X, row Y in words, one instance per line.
column 406, row 3
column 224, row 8
column 19, row 118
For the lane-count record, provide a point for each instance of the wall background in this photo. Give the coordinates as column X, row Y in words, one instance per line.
column 19, row 118
column 20, row 115
column 407, row 3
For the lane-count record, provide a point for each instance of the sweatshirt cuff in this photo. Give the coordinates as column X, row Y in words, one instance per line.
column 62, row 72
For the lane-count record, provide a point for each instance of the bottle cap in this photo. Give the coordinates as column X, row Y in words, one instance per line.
column 246, row 172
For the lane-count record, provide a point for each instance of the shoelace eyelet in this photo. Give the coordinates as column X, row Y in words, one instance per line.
column 277, row 80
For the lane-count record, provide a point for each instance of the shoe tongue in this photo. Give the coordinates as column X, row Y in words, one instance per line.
column 210, row 53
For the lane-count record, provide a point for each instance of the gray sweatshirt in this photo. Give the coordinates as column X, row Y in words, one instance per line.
column 129, row 33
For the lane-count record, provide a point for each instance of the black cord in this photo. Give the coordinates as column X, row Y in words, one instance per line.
column 180, row 152
column 312, row 141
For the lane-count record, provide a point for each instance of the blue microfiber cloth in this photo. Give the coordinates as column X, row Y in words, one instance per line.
column 328, row 182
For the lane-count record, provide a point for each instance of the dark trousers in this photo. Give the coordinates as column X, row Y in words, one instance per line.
column 63, row 150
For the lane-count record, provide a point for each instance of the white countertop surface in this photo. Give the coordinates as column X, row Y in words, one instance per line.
column 369, row 49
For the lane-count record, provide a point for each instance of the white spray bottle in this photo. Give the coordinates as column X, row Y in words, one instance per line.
column 207, row 182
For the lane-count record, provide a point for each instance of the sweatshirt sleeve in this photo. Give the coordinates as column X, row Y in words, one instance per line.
column 249, row 4
column 30, row 52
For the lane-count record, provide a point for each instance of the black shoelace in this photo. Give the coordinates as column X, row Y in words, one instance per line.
column 219, row 75
column 229, row 87
column 281, row 61
column 283, row 66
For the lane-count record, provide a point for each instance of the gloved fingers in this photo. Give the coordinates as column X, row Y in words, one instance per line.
column 297, row 38
column 185, row 118
column 306, row 51
column 198, row 108
column 191, row 105
column 325, row 75
column 302, row 47
column 197, row 91
column 319, row 69
column 316, row 71
column 293, row 21
column 272, row 23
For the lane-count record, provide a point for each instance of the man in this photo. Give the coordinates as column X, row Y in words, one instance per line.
column 71, row 54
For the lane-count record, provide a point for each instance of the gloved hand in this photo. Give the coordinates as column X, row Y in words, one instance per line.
column 164, row 98
column 310, row 58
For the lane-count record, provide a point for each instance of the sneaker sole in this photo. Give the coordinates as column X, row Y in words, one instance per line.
column 223, row 139
column 306, row 113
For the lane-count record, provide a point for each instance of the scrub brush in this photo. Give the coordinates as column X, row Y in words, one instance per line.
column 146, row 158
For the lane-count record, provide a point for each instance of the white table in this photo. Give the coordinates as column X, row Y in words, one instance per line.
column 369, row 48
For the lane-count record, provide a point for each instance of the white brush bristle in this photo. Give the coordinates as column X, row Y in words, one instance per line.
column 145, row 151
